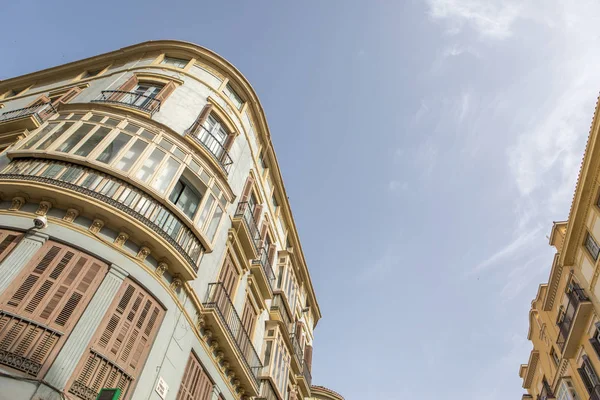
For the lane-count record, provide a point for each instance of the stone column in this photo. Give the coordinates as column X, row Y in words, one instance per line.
column 75, row 346
column 12, row 265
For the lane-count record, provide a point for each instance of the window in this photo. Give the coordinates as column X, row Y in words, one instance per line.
column 214, row 223
column 588, row 374
column 277, row 360
column 74, row 139
column 8, row 240
column 145, row 93
column 274, row 201
column 44, row 303
column 113, row 148
column 150, row 165
column 554, row 357
column 214, row 135
column 90, row 73
column 92, row 142
column 35, row 139
column 195, row 384
column 233, row 96
column 118, row 351
column 566, row 391
column 131, row 155
column 185, row 197
column 591, row 246
column 165, row 175
column 54, row 136
column 176, row 62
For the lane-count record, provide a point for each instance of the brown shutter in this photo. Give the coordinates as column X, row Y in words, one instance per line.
column 43, row 304
column 70, row 95
column 193, row 130
column 8, row 241
column 196, row 384
column 165, row 92
column 271, row 256
column 308, row 356
column 118, row 351
column 247, row 189
column 249, row 318
column 229, row 275
column 127, row 86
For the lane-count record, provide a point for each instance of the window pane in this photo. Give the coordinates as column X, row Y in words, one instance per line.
column 92, row 142
column 71, row 174
column 38, row 136
column 214, row 223
column 207, row 206
column 110, row 152
column 96, row 118
column 75, row 138
column 176, row 62
column 165, row 175
column 52, row 171
column 233, row 96
column 150, row 165
column 112, row 122
column 131, row 155
column 52, row 138
column 185, row 198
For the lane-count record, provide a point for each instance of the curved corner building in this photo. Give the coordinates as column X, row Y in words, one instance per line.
column 146, row 239
column 323, row 393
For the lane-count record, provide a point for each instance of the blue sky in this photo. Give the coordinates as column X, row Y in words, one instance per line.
column 426, row 147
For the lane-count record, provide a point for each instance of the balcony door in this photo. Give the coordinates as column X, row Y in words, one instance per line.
column 214, row 135
column 145, row 93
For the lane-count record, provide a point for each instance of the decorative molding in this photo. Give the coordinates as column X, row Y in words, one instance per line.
column 71, row 215
column 143, row 253
column 96, row 225
column 121, row 239
column 43, row 208
column 17, row 203
column 176, row 283
column 161, row 268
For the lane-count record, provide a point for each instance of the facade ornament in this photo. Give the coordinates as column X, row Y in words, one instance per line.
column 96, row 225
column 121, row 239
column 43, row 208
column 176, row 283
column 214, row 345
column 220, row 356
column 200, row 321
column 17, row 203
column 161, row 268
column 71, row 215
column 230, row 374
column 143, row 253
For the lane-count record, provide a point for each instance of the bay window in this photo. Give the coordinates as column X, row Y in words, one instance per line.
column 185, row 197
column 276, row 359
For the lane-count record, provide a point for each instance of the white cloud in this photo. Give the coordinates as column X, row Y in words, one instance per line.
column 492, row 20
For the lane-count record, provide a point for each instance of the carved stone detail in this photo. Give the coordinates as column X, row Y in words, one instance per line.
column 43, row 208
column 143, row 253
column 71, row 215
column 220, row 356
column 176, row 283
column 161, row 268
column 96, row 225
column 17, row 203
column 121, row 239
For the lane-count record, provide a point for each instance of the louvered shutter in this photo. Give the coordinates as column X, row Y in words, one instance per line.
column 586, row 380
column 308, row 356
column 247, row 189
column 70, row 95
column 43, row 304
column 196, row 384
column 8, row 241
column 229, row 276
column 127, row 86
column 248, row 317
column 165, row 92
column 118, row 351
column 194, row 129
column 596, row 345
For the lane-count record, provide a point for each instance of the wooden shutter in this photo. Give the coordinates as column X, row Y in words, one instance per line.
column 70, row 95
column 271, row 257
column 249, row 317
column 196, row 384
column 229, row 276
column 165, row 92
column 586, row 381
column 127, row 86
column 247, row 189
column 8, row 241
column 200, row 119
column 118, row 350
column 308, row 356
column 40, row 308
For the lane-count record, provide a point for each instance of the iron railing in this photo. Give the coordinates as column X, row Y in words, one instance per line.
column 25, row 345
column 263, row 260
column 218, row 299
column 595, row 394
column 306, row 373
column 245, row 212
column 296, row 347
column 576, row 295
column 116, row 193
column 142, row 102
column 278, row 305
column 266, row 391
column 39, row 111
column 202, row 136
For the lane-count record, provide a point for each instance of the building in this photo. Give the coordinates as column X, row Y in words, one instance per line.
column 146, row 239
column 564, row 320
column 322, row 393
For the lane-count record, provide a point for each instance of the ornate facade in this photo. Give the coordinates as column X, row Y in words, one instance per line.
column 146, row 239
column 564, row 320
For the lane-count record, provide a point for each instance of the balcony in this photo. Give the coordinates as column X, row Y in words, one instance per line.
column 595, row 394
column 133, row 100
column 297, row 354
column 231, row 334
column 572, row 320
column 26, row 118
column 247, row 229
column 75, row 182
column 305, row 380
column 214, row 146
column 266, row 391
column 280, row 312
column 261, row 269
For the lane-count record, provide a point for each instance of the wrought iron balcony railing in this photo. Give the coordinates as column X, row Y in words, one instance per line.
column 266, row 391
column 116, row 193
column 131, row 99
column 40, row 112
column 263, row 259
column 245, row 212
column 218, row 300
column 595, row 394
column 278, row 305
column 576, row 296
column 296, row 347
column 214, row 146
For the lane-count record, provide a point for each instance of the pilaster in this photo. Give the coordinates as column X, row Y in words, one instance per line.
column 12, row 265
